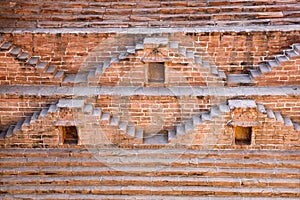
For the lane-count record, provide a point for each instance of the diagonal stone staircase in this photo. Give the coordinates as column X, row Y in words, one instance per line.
column 111, row 122
column 92, row 76
column 44, row 69
column 87, row 112
column 255, row 76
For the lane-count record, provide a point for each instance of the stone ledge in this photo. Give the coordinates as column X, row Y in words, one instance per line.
column 81, row 91
column 284, row 28
column 241, row 104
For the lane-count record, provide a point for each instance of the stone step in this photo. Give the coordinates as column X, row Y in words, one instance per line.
column 291, row 53
column 139, row 46
column 146, row 153
column 263, row 68
column 270, row 114
column 76, row 78
column 23, row 56
column 3, row 134
column 127, row 197
column 261, row 108
column 144, row 180
column 99, row 70
column 206, row 116
column 18, row 126
column 91, row 74
column 130, row 49
column 43, row 113
column 224, row 108
column 137, row 170
column 123, row 125
column 239, row 79
column 255, row 73
column 189, row 126
column 97, row 112
column 59, row 75
column 106, row 64
column 198, row 60
column 6, row 45
column 114, row 120
column 182, row 51
column 51, row 70
column 35, row 116
column 130, row 131
column 171, row 135
column 139, row 135
column 287, row 121
column 88, row 109
column 34, row 60
column 123, row 56
column 42, row 66
column 296, row 48
column 15, row 51
column 296, row 126
column 272, row 63
column 10, row 131
column 26, row 122
column 278, row 117
column 222, row 74
column 197, row 119
column 214, row 111
column 180, row 129
column 105, row 116
column 53, row 108
column 205, row 64
column 214, row 70
column 161, row 190
column 282, row 58
column 189, row 54
column 156, row 139
column 173, row 45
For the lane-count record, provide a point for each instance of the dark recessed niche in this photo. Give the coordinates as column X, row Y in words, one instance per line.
column 156, row 72
column 242, row 135
column 69, row 134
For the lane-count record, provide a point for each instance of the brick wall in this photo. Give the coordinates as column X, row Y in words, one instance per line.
column 232, row 52
column 15, row 107
column 86, row 14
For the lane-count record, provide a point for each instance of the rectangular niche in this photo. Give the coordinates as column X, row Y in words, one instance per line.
column 242, row 135
column 69, row 135
column 156, row 72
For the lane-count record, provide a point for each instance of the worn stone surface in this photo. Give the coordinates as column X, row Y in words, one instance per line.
column 82, row 66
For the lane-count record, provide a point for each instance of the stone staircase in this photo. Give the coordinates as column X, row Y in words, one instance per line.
column 220, row 111
column 92, row 76
column 250, row 78
column 174, row 173
column 86, row 14
column 90, row 113
column 178, row 135
column 183, row 54
column 46, row 73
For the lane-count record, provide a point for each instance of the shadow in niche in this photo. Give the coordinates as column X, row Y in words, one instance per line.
column 69, row 134
column 242, row 135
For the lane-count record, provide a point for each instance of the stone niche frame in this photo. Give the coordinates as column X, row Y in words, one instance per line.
column 64, row 133
column 155, row 73
column 244, row 121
